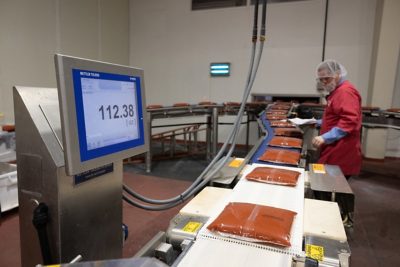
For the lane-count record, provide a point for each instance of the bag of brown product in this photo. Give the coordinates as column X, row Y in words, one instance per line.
column 257, row 222
column 291, row 132
column 281, row 141
column 181, row 104
column 276, row 117
column 276, row 112
column 274, row 176
column 283, row 156
column 279, row 107
column 282, row 124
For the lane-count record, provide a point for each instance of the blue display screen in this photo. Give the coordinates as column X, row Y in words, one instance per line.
column 109, row 113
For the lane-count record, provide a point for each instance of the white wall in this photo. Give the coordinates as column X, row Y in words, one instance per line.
column 393, row 139
column 383, row 74
column 350, row 38
column 27, row 42
column 32, row 31
column 175, row 46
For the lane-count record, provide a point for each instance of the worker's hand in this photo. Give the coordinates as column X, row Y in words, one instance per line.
column 318, row 141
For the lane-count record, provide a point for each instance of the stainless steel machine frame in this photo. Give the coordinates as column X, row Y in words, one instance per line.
column 85, row 219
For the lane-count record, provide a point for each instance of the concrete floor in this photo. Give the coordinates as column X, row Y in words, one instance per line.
column 374, row 239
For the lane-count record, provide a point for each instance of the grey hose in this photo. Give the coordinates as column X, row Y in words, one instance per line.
column 196, row 186
column 200, row 181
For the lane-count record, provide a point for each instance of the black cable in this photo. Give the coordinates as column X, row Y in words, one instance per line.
column 151, row 208
column 263, row 19
column 255, row 23
column 179, row 199
column 40, row 220
column 325, row 26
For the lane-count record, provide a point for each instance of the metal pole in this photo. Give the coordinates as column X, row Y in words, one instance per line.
column 208, row 137
column 148, row 154
column 215, row 131
column 247, row 130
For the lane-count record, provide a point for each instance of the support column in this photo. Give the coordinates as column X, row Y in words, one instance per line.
column 383, row 71
column 208, row 137
column 215, row 132
column 149, row 153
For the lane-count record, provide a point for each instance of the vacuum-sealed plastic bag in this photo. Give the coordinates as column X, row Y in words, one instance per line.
column 276, row 116
column 281, row 141
column 276, row 112
column 257, row 222
column 290, row 132
column 282, row 124
column 280, row 107
column 274, row 176
column 281, row 156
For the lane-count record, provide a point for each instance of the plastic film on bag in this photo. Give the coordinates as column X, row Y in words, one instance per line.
column 281, row 141
column 276, row 117
column 262, row 223
column 290, row 132
column 281, row 124
column 280, row 107
column 276, row 112
column 283, row 156
column 274, row 176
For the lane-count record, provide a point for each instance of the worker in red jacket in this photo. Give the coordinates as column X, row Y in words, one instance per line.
column 339, row 137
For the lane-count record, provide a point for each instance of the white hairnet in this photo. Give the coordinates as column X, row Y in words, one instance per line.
column 332, row 67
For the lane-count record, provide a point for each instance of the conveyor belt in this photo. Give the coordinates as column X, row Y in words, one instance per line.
column 379, row 119
column 211, row 249
column 269, row 131
column 371, row 118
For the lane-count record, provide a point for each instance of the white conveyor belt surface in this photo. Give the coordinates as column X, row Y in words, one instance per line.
column 212, row 249
column 219, row 253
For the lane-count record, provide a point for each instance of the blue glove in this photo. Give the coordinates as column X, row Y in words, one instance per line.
column 333, row 135
column 319, row 122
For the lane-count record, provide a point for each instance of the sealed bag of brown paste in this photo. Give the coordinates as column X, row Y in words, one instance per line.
column 155, row 106
column 274, row 176
column 258, row 222
column 207, row 103
column 290, row 132
column 276, row 112
column 283, row 156
column 279, row 107
column 281, row 141
column 276, row 117
column 181, row 104
column 281, row 124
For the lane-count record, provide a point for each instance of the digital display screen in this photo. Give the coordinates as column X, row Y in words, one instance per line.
column 109, row 112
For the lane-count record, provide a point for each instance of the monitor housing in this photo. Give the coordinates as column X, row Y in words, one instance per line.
column 102, row 110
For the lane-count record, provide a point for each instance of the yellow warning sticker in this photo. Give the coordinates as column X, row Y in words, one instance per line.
column 236, row 163
column 318, row 168
column 315, row 252
column 192, row 227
